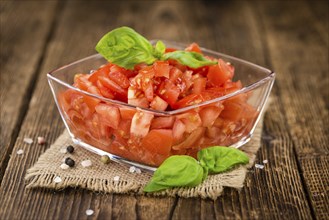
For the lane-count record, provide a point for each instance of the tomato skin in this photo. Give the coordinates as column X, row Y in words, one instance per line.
column 163, row 122
column 178, row 130
column 161, row 69
column 110, row 115
column 159, row 104
column 103, row 71
column 219, row 74
column 121, row 93
column 194, row 47
column 169, row 92
column 158, row 141
column 199, row 85
column 209, row 114
column 119, row 78
column 140, row 124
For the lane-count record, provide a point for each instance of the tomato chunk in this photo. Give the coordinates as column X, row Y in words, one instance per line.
column 158, row 141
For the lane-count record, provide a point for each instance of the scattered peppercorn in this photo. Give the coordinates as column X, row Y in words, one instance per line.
column 69, row 162
column 70, row 149
column 105, row 159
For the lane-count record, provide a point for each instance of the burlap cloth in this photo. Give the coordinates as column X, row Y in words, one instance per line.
column 100, row 177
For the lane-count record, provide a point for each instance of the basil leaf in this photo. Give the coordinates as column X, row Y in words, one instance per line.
column 125, row 47
column 176, row 171
column 191, row 59
column 219, row 159
column 159, row 49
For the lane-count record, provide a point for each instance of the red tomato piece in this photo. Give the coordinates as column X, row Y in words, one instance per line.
column 103, row 71
column 119, row 77
column 194, row 47
column 104, row 90
column 159, row 104
column 178, row 130
column 110, row 115
column 191, row 120
column 81, row 81
column 122, row 93
column 175, row 74
column 127, row 113
column 219, row 74
column 163, row 122
column 169, row 92
column 140, row 124
column 161, row 68
column 191, row 140
column 199, row 85
column 158, row 141
column 139, row 102
column 209, row 114
column 192, row 99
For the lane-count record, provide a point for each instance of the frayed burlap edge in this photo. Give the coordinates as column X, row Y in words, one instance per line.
column 100, row 177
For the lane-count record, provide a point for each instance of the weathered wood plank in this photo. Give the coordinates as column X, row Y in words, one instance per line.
column 23, row 38
column 304, row 87
column 273, row 193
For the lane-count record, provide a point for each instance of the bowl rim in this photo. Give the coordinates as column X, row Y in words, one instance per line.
column 269, row 77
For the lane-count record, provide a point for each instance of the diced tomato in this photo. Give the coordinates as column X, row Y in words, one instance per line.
column 91, row 101
column 103, row 71
column 175, row 74
column 104, row 90
column 191, row 120
column 193, row 138
column 189, row 100
column 158, row 141
column 140, row 124
column 161, row 68
column 163, row 122
column 209, row 114
column 127, row 113
column 110, row 115
column 159, row 104
column 139, row 102
column 199, row 85
column 114, row 87
column 123, row 129
column 169, row 92
column 148, row 91
column 219, row 74
column 194, row 47
column 81, row 81
column 169, row 49
column 119, row 78
column 178, row 130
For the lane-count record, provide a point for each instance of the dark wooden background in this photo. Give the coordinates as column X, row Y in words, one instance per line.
column 290, row 37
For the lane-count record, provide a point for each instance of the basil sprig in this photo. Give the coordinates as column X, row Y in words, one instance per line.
column 126, row 48
column 179, row 171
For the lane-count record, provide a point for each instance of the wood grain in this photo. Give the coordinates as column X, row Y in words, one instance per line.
column 291, row 186
column 301, row 80
column 23, row 39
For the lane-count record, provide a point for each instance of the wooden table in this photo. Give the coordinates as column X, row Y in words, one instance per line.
column 290, row 37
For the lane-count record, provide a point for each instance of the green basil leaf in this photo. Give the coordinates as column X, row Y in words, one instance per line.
column 176, row 171
column 125, row 47
column 191, row 59
column 159, row 49
column 219, row 159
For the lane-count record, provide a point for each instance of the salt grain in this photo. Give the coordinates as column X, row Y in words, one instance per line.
column 28, row 140
column 20, row 151
column 89, row 212
column 86, row 163
column 259, row 166
column 63, row 150
column 57, row 179
column 116, row 178
column 41, row 140
column 265, row 161
column 64, row 166
column 132, row 169
column 138, row 171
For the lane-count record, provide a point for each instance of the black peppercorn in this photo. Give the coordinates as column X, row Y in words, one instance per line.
column 69, row 162
column 70, row 149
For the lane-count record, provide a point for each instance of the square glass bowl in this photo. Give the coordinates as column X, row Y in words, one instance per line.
column 228, row 120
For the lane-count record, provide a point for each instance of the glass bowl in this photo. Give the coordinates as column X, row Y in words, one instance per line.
column 228, row 120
